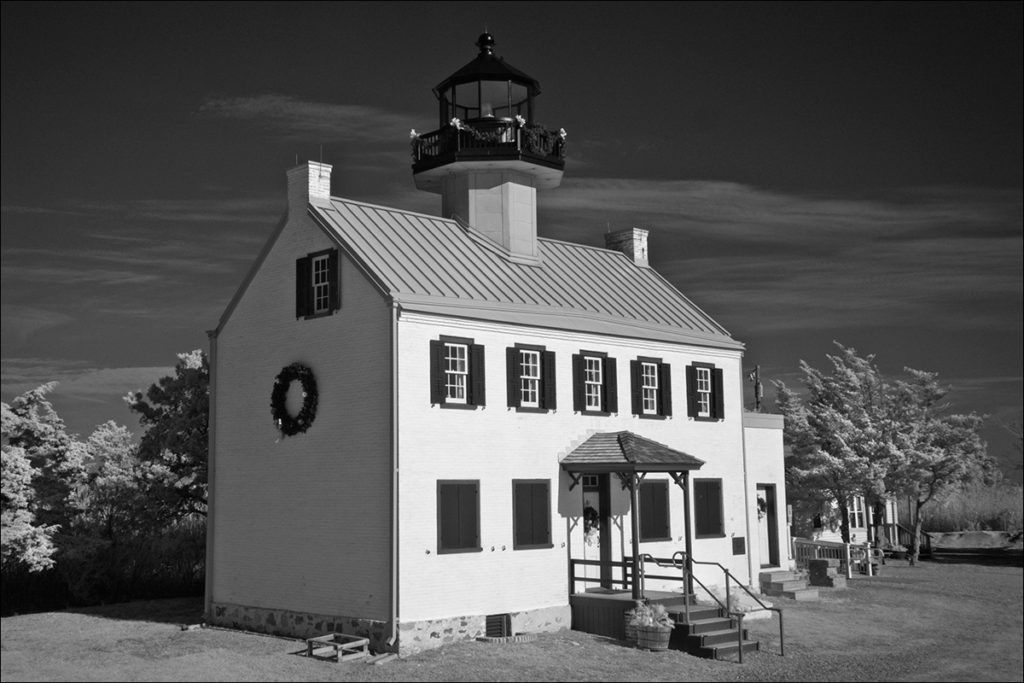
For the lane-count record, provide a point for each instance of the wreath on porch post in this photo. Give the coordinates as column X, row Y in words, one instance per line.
column 289, row 425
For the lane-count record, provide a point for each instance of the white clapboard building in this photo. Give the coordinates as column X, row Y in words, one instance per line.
column 424, row 426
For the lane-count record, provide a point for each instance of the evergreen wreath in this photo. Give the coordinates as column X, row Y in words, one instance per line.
column 289, row 425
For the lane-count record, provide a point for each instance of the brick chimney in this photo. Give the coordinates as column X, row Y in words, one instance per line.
column 632, row 242
column 308, row 182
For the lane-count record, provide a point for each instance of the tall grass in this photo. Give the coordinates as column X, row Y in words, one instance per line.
column 977, row 507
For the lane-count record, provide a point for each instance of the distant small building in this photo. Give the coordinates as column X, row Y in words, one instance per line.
column 420, row 424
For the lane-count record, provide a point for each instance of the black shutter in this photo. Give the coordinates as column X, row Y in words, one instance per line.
column 691, row 391
column 512, row 377
column 334, row 278
column 611, row 395
column 469, row 532
column 636, row 381
column 715, row 507
column 665, row 389
column 708, row 507
column 303, row 287
column 719, row 393
column 437, row 384
column 477, row 392
column 448, row 516
column 541, row 514
column 577, row 383
column 547, row 379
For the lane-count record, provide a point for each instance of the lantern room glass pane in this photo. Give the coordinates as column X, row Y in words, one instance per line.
column 519, row 96
column 494, row 99
column 467, row 101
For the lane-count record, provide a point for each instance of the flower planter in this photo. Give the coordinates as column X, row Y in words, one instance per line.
column 653, row 637
column 630, row 629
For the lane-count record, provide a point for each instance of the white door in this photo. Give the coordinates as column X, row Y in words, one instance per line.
column 763, row 527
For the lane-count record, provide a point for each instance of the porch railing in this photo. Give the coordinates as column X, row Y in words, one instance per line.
column 848, row 554
column 488, row 137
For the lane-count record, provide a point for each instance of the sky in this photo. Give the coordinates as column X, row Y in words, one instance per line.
column 809, row 173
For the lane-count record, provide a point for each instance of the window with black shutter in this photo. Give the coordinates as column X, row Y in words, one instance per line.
column 457, row 373
column 707, row 508
column 531, row 513
column 530, row 373
column 458, row 516
column 594, row 387
column 705, row 393
column 651, row 384
column 654, row 511
column 317, row 286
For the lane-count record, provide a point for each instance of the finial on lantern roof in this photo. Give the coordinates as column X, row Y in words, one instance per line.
column 486, row 43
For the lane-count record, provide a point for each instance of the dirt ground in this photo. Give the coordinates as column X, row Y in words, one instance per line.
column 934, row 622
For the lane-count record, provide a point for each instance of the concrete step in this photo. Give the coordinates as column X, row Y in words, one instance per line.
column 776, row 575
column 828, row 581
column 804, row 594
column 775, row 587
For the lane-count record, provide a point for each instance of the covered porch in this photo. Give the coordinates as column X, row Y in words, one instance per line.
column 599, row 602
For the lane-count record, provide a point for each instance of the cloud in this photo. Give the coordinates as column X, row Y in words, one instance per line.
column 20, row 322
column 290, row 118
column 933, row 257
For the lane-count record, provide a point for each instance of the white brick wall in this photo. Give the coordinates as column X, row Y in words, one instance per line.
column 302, row 522
column 496, row 444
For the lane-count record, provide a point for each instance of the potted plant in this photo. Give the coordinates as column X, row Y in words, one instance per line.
column 632, row 620
column 653, row 626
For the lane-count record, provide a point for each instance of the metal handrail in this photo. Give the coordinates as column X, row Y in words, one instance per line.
column 684, row 562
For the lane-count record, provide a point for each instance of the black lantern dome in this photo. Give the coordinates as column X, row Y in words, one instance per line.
column 486, row 124
column 486, row 88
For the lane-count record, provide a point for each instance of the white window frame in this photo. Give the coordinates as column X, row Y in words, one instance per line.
column 856, row 513
column 593, row 382
column 703, row 390
column 456, row 372
column 529, row 378
column 320, row 272
column 649, row 388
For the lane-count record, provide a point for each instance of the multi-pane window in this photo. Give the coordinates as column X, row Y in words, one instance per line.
column 456, row 372
column 652, row 387
column 529, row 378
column 649, row 388
column 321, row 284
column 531, row 513
column 317, row 289
column 704, row 392
column 593, row 382
column 856, row 510
column 458, row 516
column 593, row 374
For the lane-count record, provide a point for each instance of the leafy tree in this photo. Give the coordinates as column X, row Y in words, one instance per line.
column 35, row 426
column 933, row 451
column 175, row 413
column 860, row 433
column 23, row 542
column 835, row 437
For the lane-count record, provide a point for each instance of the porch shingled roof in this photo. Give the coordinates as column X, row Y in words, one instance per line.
column 626, row 451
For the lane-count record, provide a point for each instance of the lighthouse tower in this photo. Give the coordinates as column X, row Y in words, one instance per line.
column 488, row 157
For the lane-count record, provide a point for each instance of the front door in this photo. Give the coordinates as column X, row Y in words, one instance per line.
column 605, row 519
column 767, row 525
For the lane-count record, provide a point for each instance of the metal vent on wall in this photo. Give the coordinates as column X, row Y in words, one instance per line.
column 499, row 625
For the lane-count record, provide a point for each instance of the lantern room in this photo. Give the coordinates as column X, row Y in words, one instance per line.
column 486, row 88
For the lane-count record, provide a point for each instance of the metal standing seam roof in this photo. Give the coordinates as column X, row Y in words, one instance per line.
column 433, row 264
column 614, row 451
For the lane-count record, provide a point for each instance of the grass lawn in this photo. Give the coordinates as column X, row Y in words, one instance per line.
column 935, row 622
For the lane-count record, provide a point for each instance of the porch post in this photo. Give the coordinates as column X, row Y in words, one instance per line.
column 634, row 510
column 689, row 535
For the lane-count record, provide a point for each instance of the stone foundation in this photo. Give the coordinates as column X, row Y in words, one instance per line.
column 413, row 637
